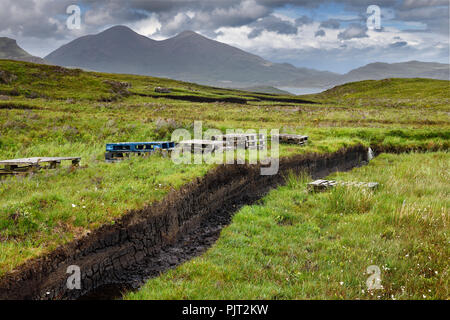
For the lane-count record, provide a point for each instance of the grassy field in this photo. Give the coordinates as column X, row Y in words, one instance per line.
column 52, row 111
column 300, row 245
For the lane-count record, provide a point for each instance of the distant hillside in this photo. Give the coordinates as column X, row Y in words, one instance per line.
column 410, row 69
column 9, row 49
column 388, row 92
column 265, row 89
column 24, row 79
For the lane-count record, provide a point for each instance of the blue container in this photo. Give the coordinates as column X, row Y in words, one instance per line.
column 140, row 146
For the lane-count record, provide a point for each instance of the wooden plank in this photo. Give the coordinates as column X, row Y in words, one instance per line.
column 320, row 185
column 36, row 160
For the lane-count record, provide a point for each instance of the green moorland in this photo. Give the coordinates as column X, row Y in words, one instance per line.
column 52, row 111
column 300, row 245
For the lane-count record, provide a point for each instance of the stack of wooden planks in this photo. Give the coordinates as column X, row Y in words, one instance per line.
column 293, row 138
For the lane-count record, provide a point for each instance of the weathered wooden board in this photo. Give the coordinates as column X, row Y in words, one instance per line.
column 321, row 185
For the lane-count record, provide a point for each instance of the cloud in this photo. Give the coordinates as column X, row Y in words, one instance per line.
column 411, row 4
column 255, row 33
column 31, row 18
column 354, row 30
column 398, row 44
column 303, row 20
column 46, row 18
column 330, row 24
column 207, row 17
column 320, row 33
column 148, row 26
column 436, row 18
column 274, row 24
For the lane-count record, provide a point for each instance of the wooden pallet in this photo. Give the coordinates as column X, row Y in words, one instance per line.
column 119, row 156
column 293, row 138
column 25, row 165
column 241, row 140
column 322, row 185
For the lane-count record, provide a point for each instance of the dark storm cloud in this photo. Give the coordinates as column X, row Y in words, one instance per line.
column 211, row 15
column 303, row 20
column 274, row 24
column 319, row 33
column 218, row 9
column 31, row 18
column 412, row 4
column 398, row 44
column 255, row 33
column 330, row 24
column 436, row 18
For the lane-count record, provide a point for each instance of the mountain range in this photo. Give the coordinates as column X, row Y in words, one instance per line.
column 187, row 56
column 192, row 57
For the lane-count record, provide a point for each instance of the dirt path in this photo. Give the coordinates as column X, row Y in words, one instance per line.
column 146, row 242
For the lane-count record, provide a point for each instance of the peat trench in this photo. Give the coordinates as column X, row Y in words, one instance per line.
column 192, row 98
column 144, row 243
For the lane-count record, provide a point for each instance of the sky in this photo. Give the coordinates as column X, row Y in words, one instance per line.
column 335, row 35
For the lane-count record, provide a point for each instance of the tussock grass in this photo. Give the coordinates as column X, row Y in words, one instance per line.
column 300, row 245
